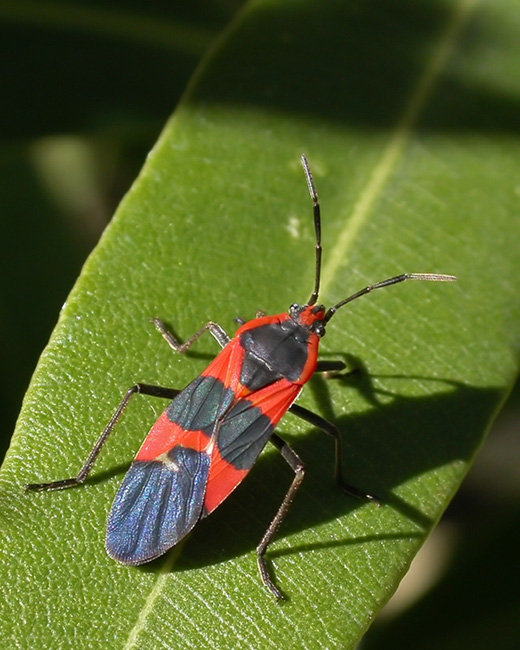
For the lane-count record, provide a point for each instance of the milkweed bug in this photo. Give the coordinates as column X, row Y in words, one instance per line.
column 211, row 434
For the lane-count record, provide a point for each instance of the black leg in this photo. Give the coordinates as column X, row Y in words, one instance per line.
column 144, row 389
column 141, row 389
column 330, row 366
column 333, row 431
column 299, row 471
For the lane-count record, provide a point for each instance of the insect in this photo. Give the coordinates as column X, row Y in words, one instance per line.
column 211, row 434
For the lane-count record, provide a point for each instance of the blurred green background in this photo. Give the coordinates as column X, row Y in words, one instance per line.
column 84, row 101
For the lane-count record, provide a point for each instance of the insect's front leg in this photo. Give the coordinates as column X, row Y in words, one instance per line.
column 325, row 365
column 141, row 389
column 217, row 331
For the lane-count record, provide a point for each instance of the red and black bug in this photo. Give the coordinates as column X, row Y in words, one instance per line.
column 213, row 431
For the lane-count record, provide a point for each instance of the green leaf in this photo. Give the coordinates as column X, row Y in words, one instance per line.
column 406, row 114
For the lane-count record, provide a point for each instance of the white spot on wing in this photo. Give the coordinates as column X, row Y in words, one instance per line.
column 166, row 460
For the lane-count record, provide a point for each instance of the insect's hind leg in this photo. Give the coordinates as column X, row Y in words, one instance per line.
column 333, row 431
column 216, row 330
column 141, row 389
column 299, row 471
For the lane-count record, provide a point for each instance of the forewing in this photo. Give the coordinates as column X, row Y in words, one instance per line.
column 243, row 433
column 158, row 504
column 162, row 495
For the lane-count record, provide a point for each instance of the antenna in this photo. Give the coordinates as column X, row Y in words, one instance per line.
column 430, row 277
column 317, row 227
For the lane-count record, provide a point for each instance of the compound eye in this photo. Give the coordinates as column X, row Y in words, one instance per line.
column 319, row 329
column 294, row 310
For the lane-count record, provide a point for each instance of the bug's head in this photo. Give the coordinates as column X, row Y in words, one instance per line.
column 311, row 317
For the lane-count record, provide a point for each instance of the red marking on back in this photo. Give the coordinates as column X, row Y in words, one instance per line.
column 166, row 434
column 274, row 401
column 263, row 320
column 223, row 479
column 227, row 366
column 312, row 359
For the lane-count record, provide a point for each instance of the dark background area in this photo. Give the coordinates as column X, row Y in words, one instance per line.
column 84, row 101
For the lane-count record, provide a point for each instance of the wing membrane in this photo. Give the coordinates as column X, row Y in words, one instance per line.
column 158, row 504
